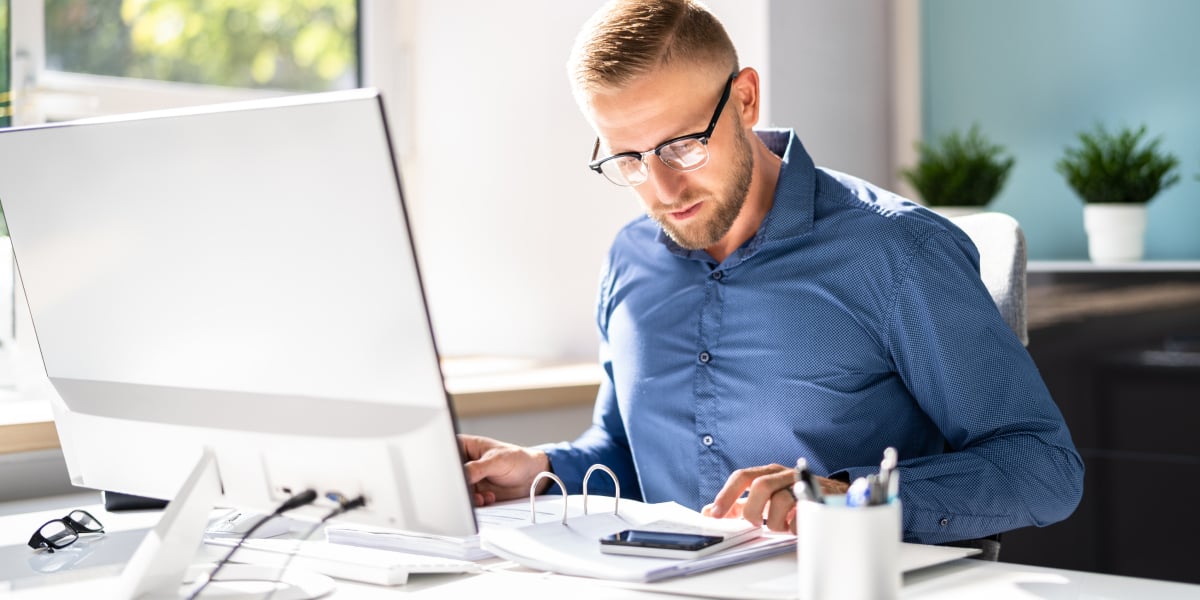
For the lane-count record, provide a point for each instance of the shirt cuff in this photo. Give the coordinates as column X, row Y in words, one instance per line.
column 562, row 466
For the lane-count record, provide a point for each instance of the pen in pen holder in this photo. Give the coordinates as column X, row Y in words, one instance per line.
column 848, row 552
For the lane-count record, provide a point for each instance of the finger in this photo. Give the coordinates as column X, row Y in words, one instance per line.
column 739, row 481
column 485, row 498
column 737, row 510
column 706, row 511
column 472, row 446
column 763, row 491
column 493, row 493
column 478, row 470
column 831, row 486
column 778, row 511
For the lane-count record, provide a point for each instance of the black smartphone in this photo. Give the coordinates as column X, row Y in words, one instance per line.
column 656, row 543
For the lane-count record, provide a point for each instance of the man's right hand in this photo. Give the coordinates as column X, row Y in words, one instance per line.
column 499, row 471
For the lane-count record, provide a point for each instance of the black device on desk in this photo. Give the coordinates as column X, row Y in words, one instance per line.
column 652, row 543
column 117, row 502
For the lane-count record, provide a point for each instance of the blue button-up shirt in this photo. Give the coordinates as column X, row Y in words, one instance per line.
column 851, row 321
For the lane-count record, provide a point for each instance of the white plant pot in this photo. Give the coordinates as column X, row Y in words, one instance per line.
column 1115, row 232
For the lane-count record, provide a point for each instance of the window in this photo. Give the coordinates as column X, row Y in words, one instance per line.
column 81, row 58
column 306, row 46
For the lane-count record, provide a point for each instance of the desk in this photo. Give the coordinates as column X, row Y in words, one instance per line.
column 959, row 579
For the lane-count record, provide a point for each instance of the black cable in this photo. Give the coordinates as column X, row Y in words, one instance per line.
column 301, row 499
column 343, row 507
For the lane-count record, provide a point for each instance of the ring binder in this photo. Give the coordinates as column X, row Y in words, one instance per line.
column 616, row 486
column 533, row 491
column 572, row 546
column 533, row 495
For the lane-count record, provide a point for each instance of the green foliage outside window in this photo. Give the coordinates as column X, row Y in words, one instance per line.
column 5, row 94
column 306, row 45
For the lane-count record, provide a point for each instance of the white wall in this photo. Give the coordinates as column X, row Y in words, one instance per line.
column 511, row 226
column 833, row 70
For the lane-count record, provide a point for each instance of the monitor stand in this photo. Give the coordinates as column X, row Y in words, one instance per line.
column 162, row 566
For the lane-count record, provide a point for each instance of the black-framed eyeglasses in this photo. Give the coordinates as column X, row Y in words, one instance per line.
column 57, row 534
column 684, row 153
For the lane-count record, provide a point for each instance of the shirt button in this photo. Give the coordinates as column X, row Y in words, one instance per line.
column 705, row 357
column 944, row 522
column 718, row 275
column 707, row 440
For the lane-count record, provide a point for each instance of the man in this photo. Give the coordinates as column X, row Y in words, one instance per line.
column 766, row 310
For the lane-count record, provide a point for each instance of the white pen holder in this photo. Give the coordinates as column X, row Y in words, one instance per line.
column 848, row 553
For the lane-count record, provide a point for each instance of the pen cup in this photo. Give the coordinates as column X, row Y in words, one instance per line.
column 848, row 553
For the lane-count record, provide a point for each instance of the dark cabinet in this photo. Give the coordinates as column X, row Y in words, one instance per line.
column 1120, row 352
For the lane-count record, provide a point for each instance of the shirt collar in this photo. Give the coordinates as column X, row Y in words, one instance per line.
column 792, row 207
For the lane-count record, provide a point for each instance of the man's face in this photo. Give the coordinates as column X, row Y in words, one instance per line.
column 696, row 208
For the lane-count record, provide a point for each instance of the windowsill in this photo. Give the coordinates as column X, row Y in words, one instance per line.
column 25, row 425
column 493, row 386
column 478, row 387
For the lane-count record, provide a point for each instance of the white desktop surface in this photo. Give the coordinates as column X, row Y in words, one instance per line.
column 959, row 579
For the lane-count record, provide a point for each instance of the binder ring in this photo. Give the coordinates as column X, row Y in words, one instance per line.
column 616, row 486
column 533, row 495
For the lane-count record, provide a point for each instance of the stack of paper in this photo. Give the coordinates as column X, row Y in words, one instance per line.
column 503, row 515
column 461, row 548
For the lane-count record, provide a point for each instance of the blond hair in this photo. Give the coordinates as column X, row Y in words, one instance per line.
column 629, row 38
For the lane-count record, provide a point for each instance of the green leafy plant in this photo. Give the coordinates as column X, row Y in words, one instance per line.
column 959, row 170
column 1115, row 168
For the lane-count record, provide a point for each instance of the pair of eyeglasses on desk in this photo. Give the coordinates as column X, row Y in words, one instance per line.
column 57, row 534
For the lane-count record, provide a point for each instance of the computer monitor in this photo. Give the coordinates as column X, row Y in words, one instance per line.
column 238, row 282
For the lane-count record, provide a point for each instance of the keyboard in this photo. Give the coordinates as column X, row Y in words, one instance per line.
column 355, row 563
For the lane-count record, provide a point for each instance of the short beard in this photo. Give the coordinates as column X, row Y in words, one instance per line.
column 727, row 203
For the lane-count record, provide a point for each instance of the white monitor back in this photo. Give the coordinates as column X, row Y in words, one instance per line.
column 240, row 277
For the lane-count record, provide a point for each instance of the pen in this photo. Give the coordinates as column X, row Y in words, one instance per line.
column 859, row 492
column 888, row 478
column 878, row 489
column 803, row 475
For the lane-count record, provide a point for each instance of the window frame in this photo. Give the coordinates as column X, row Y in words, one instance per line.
column 41, row 94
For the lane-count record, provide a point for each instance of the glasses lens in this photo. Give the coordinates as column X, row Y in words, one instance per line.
column 685, row 155
column 57, row 535
column 624, row 170
column 83, row 522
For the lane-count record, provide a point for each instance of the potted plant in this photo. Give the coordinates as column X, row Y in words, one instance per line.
column 1116, row 175
column 959, row 174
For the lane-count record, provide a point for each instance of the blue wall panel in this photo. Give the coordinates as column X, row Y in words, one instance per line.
column 1033, row 73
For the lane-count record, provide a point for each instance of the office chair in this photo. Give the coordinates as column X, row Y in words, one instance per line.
column 1002, row 262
